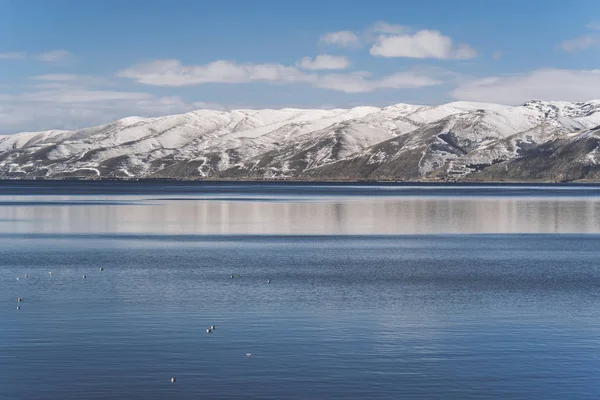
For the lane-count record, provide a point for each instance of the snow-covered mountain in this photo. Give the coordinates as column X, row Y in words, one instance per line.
column 454, row 141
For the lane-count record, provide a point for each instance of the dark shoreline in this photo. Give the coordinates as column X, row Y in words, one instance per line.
column 292, row 182
column 240, row 190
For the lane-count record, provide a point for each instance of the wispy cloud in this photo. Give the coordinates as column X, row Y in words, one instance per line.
column 78, row 108
column 57, row 57
column 60, row 77
column 583, row 42
column 208, row 105
column 60, row 57
column 542, row 84
column 361, row 82
column 323, row 62
column 58, row 81
column 69, row 101
column 387, row 28
column 173, row 73
column 12, row 56
column 74, row 96
column 580, row 43
column 593, row 26
column 342, row 39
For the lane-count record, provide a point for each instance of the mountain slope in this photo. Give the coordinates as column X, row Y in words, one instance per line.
column 454, row 141
column 571, row 158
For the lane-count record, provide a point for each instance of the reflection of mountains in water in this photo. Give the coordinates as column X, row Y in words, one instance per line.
column 325, row 216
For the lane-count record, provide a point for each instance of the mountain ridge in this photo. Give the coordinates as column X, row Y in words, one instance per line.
column 458, row 141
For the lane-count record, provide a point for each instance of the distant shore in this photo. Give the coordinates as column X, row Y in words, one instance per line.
column 305, row 181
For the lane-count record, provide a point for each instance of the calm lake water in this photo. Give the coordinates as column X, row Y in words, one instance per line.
column 375, row 292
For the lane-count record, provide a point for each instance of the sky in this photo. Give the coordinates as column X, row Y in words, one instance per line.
column 67, row 64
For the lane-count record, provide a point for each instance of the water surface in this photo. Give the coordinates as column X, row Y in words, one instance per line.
column 404, row 293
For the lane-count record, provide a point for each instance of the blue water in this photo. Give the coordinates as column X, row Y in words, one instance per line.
column 369, row 297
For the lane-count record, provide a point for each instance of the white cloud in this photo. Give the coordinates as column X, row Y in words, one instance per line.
column 464, row 52
column 583, row 42
column 173, row 73
column 344, row 39
column 207, row 105
column 71, row 109
column 12, row 56
column 75, row 96
column 349, row 39
column 58, row 77
column 360, row 82
column 422, row 44
column 50, row 57
column 593, row 26
column 497, row 55
column 385, row 27
column 69, row 101
column 580, row 43
column 543, row 84
column 57, row 57
column 372, row 34
column 68, row 81
column 324, row 61
column 394, row 40
column 55, row 85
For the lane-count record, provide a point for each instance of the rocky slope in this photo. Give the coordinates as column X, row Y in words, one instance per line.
column 537, row 140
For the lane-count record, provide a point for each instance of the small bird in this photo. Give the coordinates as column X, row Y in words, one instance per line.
column 232, row 276
column 26, row 275
column 209, row 330
column 101, row 269
column 84, row 277
column 18, row 307
column 173, row 380
column 49, row 272
column 17, row 278
column 269, row 281
column 248, row 354
column 19, row 299
column 212, row 328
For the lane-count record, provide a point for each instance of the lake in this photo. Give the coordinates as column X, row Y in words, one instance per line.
column 349, row 291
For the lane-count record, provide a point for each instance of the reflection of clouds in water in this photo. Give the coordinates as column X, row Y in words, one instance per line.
column 330, row 215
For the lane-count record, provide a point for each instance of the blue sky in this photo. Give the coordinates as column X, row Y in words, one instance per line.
column 68, row 63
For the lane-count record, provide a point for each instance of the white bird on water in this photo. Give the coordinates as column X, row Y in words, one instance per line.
column 84, row 277
column 248, row 354
column 209, row 330
column 49, row 272
column 173, row 380
column 212, row 327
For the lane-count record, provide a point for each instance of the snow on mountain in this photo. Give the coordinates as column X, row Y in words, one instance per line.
column 572, row 157
column 402, row 141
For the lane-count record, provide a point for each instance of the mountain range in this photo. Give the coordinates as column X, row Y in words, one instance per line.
column 459, row 141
